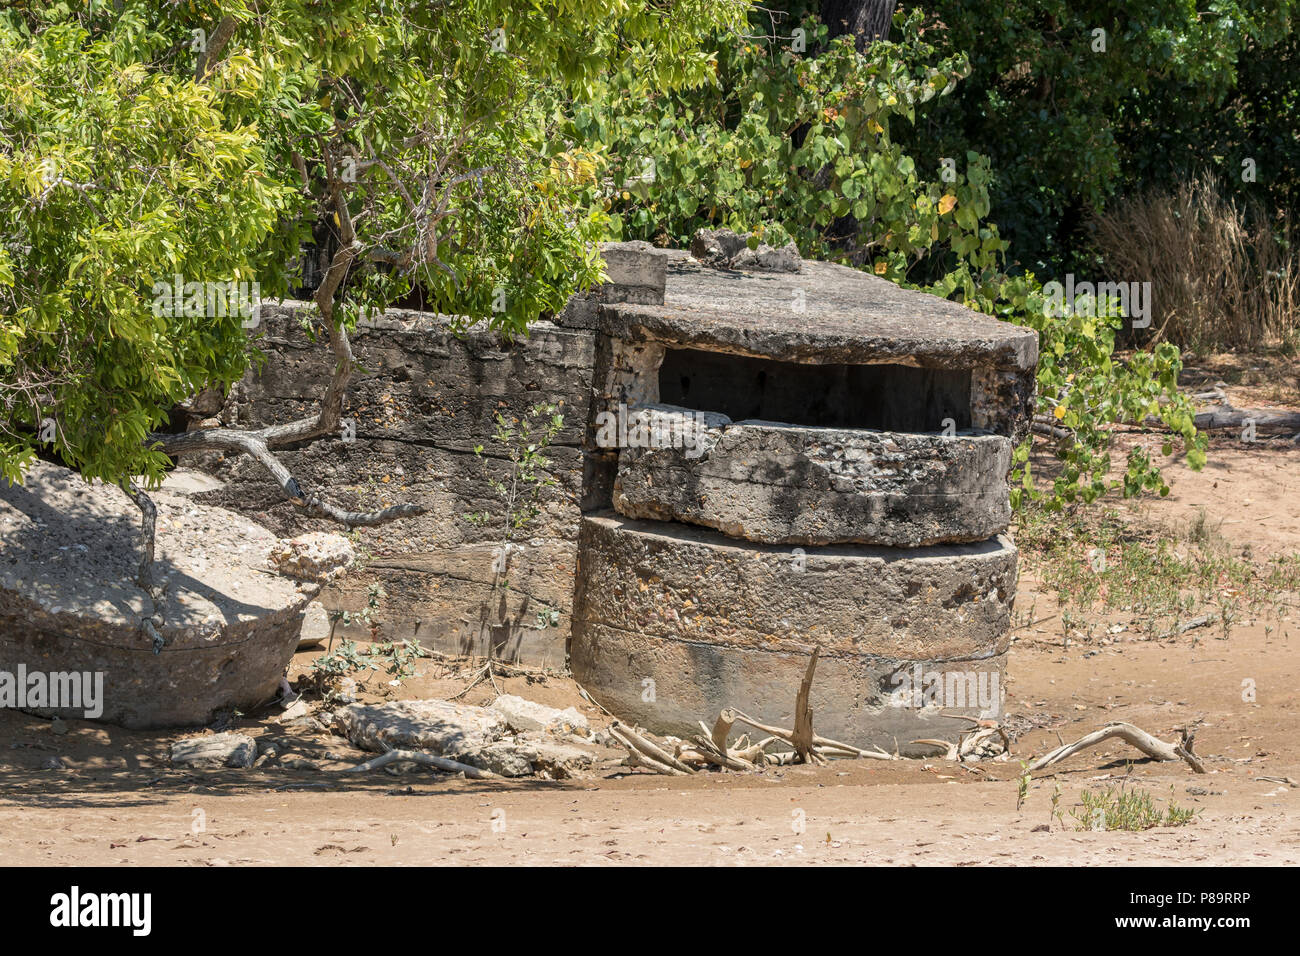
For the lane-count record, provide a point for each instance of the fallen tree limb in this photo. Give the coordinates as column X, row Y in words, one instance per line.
column 973, row 739
column 1184, row 749
column 426, row 760
column 704, row 752
column 255, row 446
column 785, row 758
column 1042, row 425
column 736, row 716
column 1264, row 419
column 710, row 747
column 722, row 728
column 976, row 738
column 1190, row 625
column 630, row 738
column 637, row 759
column 1225, row 415
column 947, row 746
column 755, row 753
column 1135, row 736
column 719, row 756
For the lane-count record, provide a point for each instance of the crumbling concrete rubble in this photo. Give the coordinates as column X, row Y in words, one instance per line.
column 512, row 738
column 214, row 750
column 724, row 249
column 315, row 556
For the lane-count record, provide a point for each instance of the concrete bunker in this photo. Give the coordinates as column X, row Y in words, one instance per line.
column 831, row 474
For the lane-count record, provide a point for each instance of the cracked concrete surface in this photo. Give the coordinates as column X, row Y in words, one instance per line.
column 68, row 601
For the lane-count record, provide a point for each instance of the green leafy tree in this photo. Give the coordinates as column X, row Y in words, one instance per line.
column 114, row 176
column 413, row 141
column 1066, row 97
column 1249, row 139
column 793, row 139
column 1083, row 389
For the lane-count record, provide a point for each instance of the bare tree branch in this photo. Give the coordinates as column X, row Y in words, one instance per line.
column 251, row 443
column 148, row 533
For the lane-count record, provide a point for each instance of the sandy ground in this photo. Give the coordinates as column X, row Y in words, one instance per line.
column 117, row 802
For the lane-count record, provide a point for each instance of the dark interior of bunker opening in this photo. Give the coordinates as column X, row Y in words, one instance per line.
column 896, row 398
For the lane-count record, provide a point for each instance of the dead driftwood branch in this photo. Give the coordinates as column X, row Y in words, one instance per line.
column 976, row 740
column 977, row 743
column 1278, row 420
column 709, row 748
column 1143, row 741
column 802, row 735
column 647, row 749
column 1045, row 426
column 822, row 745
column 425, row 760
column 1224, row 415
column 1189, row 625
column 947, row 746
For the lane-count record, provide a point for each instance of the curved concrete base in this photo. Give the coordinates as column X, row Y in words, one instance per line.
column 674, row 581
column 674, row 623
column 668, row 686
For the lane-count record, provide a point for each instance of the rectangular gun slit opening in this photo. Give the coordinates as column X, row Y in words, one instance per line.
column 899, row 398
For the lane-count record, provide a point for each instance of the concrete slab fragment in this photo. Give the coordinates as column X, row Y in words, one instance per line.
column 784, row 484
column 69, row 552
column 438, row 726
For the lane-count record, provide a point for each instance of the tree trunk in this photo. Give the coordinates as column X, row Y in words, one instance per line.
column 865, row 20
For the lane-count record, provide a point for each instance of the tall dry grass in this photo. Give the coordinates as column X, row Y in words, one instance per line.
column 1223, row 275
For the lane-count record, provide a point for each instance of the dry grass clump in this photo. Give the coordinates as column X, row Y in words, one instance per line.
column 1223, row 275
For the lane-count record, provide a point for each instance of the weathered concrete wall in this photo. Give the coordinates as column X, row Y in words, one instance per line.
column 905, row 564
column 421, row 402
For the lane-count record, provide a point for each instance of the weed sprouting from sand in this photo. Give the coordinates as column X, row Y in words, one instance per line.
column 1119, row 808
column 1099, row 563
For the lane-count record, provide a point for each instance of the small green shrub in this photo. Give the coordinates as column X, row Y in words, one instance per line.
column 1117, row 808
